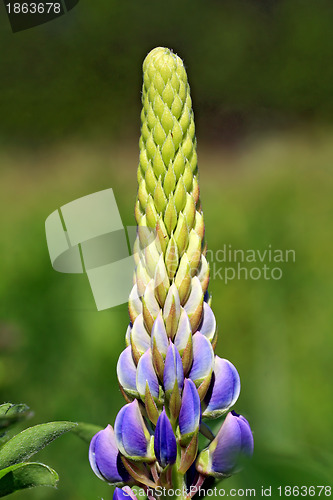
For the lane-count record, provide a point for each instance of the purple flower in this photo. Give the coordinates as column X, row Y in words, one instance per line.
column 173, row 369
column 126, row 372
column 124, row 493
column 171, row 310
column 190, row 411
column 146, row 374
column 224, row 389
column 233, row 443
column 140, row 338
column 105, row 458
column 183, row 332
column 165, row 444
column 203, row 359
column 132, row 435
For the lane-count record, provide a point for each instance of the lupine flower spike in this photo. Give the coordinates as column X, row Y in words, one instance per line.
column 168, row 373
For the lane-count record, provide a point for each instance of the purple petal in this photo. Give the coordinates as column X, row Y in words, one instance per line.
column 208, row 324
column 149, row 295
column 247, row 436
column 195, row 298
column 233, row 441
column 173, row 369
column 146, row 373
column 224, row 388
column 165, row 444
column 92, row 458
column 130, row 431
column 105, row 459
column 190, row 410
column 126, row 370
column 124, row 493
column 139, row 335
column 203, row 358
column 159, row 335
column 134, row 300
column 172, row 301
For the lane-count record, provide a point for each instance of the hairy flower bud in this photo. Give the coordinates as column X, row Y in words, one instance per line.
column 126, row 372
column 190, row 412
column 173, row 370
column 183, row 340
column 105, row 459
column 224, row 389
column 233, row 443
column 194, row 304
column 146, row 376
column 140, row 339
column 165, row 445
column 132, row 436
column 171, row 311
column 159, row 337
column 208, row 323
column 134, row 303
column 203, row 363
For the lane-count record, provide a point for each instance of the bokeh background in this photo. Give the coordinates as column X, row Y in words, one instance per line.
column 261, row 76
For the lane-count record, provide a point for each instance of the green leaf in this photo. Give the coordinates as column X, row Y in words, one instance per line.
column 26, row 475
column 28, row 442
column 86, row 431
column 12, row 413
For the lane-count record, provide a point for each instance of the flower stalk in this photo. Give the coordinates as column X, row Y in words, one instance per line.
column 169, row 373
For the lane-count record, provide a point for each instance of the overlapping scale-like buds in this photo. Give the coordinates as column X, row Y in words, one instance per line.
column 105, row 458
column 168, row 373
column 224, row 389
column 203, row 363
column 173, row 375
column 132, row 436
column 146, row 377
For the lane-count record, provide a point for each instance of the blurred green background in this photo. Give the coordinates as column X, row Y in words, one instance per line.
column 261, row 75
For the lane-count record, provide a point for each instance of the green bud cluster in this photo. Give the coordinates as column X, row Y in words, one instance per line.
column 168, row 198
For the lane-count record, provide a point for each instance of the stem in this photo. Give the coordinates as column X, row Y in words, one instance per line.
column 178, row 479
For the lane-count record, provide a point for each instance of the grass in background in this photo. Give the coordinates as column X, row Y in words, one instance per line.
column 58, row 354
